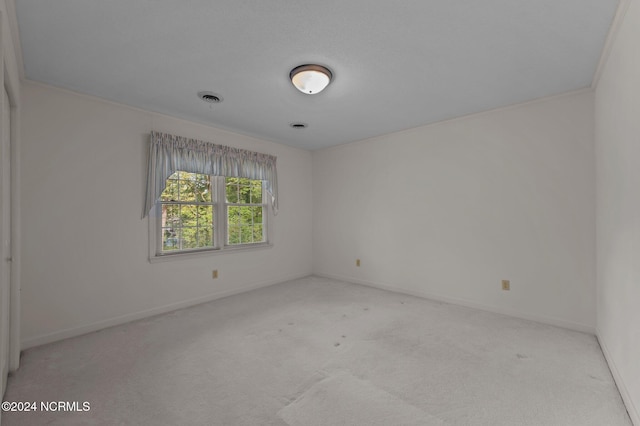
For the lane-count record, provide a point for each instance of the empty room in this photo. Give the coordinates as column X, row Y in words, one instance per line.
column 320, row 213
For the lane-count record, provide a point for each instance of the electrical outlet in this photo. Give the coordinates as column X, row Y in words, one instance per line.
column 506, row 285
column 358, row 263
column 214, row 274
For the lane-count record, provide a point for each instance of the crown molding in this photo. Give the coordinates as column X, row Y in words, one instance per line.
column 465, row 117
column 15, row 35
column 621, row 12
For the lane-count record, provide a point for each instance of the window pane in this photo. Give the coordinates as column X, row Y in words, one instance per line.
column 170, row 193
column 233, row 215
column 232, row 193
column 257, row 215
column 189, row 215
column 246, row 235
column 188, row 223
column 187, row 190
column 170, row 215
column 205, row 216
column 189, row 238
column 233, row 235
column 182, row 186
column 205, row 229
column 243, row 191
column 246, row 216
column 258, row 236
column 203, row 189
column 170, row 239
column 241, row 181
column 205, row 237
column 245, row 194
column 245, row 225
column 256, row 192
column 245, row 222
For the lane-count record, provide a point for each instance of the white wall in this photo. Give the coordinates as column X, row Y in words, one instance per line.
column 85, row 248
column 448, row 210
column 617, row 117
column 10, row 76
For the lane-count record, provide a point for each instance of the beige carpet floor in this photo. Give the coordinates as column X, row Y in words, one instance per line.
column 321, row 352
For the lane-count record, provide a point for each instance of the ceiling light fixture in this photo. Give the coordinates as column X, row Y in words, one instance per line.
column 310, row 79
column 299, row 125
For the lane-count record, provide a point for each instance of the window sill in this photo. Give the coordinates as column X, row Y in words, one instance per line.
column 208, row 253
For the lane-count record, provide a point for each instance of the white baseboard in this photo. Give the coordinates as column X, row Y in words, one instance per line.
column 634, row 414
column 467, row 303
column 43, row 339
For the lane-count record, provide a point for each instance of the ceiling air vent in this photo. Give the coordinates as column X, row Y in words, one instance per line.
column 210, row 97
column 299, row 125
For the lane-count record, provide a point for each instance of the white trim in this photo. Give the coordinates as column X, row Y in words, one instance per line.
column 206, row 253
column 11, row 72
column 467, row 303
column 159, row 117
column 7, row 267
column 614, row 29
column 11, row 64
column 15, row 36
column 43, row 339
column 633, row 412
column 157, row 114
column 16, row 226
column 344, row 145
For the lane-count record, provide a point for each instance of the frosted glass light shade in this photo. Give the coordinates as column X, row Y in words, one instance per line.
column 310, row 79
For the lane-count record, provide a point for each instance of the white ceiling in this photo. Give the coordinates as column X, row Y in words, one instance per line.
column 396, row 64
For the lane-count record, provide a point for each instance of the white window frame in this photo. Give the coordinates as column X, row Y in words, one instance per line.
column 221, row 224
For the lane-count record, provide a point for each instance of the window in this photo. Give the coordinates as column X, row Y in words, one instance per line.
column 245, row 209
column 198, row 212
column 188, row 212
column 202, row 197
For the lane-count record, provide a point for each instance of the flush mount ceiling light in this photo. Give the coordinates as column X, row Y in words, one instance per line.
column 310, row 79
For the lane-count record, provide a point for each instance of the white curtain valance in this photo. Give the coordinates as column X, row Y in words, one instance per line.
column 169, row 153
